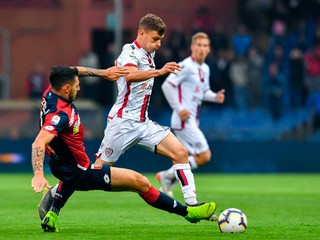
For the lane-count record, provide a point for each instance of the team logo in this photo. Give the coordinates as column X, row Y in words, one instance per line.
column 106, row 179
column 198, row 145
column 108, row 152
column 49, row 128
column 55, row 120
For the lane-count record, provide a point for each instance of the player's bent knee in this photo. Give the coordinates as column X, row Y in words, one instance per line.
column 208, row 157
column 181, row 155
column 142, row 182
column 203, row 158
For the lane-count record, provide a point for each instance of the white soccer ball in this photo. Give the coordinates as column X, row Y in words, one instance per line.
column 232, row 220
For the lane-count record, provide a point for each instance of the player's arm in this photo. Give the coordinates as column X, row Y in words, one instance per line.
column 136, row 75
column 211, row 96
column 37, row 158
column 170, row 92
column 111, row 73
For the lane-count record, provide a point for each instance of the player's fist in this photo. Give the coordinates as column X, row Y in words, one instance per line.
column 170, row 67
column 220, row 96
column 184, row 115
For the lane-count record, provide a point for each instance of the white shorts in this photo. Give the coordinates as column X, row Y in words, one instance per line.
column 121, row 134
column 193, row 139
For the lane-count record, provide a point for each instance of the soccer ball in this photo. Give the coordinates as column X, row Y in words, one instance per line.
column 232, row 220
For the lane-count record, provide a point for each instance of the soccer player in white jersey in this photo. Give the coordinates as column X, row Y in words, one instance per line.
column 128, row 122
column 185, row 92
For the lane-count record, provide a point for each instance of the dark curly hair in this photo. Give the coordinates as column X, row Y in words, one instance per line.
column 61, row 75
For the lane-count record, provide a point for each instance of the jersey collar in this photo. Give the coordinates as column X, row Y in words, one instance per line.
column 141, row 49
column 62, row 98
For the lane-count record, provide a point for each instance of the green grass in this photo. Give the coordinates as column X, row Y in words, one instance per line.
column 277, row 207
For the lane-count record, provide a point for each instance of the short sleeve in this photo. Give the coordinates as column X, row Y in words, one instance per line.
column 55, row 122
column 128, row 56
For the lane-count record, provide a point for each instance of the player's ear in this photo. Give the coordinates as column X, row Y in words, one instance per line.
column 66, row 88
column 141, row 32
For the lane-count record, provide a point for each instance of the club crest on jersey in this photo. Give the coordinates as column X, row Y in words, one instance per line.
column 198, row 145
column 108, row 152
column 55, row 120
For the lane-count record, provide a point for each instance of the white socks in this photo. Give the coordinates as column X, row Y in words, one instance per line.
column 185, row 176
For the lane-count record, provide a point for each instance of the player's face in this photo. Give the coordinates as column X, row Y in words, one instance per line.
column 200, row 49
column 150, row 40
column 74, row 88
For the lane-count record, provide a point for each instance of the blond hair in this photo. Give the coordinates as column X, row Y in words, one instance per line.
column 199, row 35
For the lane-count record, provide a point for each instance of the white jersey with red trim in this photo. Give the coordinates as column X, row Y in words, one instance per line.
column 191, row 83
column 134, row 97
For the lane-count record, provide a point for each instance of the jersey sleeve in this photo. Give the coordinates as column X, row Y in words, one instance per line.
column 128, row 56
column 206, row 86
column 55, row 122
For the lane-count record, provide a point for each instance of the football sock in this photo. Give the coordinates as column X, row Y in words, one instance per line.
column 62, row 195
column 186, row 179
column 161, row 201
column 54, row 190
column 192, row 162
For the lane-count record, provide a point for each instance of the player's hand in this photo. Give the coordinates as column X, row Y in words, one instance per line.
column 220, row 96
column 38, row 182
column 114, row 73
column 184, row 115
column 170, row 67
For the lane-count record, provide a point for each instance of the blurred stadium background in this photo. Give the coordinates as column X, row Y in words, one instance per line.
column 265, row 53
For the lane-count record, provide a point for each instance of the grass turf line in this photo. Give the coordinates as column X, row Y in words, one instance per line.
column 280, row 206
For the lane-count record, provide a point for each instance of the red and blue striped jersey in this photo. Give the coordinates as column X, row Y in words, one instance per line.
column 60, row 117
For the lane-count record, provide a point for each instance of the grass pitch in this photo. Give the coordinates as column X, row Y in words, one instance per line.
column 277, row 207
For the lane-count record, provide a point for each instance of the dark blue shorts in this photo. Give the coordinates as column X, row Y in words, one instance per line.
column 94, row 178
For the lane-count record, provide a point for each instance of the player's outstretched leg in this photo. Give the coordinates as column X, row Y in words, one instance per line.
column 202, row 212
column 49, row 222
column 45, row 202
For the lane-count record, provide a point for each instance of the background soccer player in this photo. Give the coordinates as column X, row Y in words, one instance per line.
column 61, row 137
column 185, row 92
column 128, row 122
